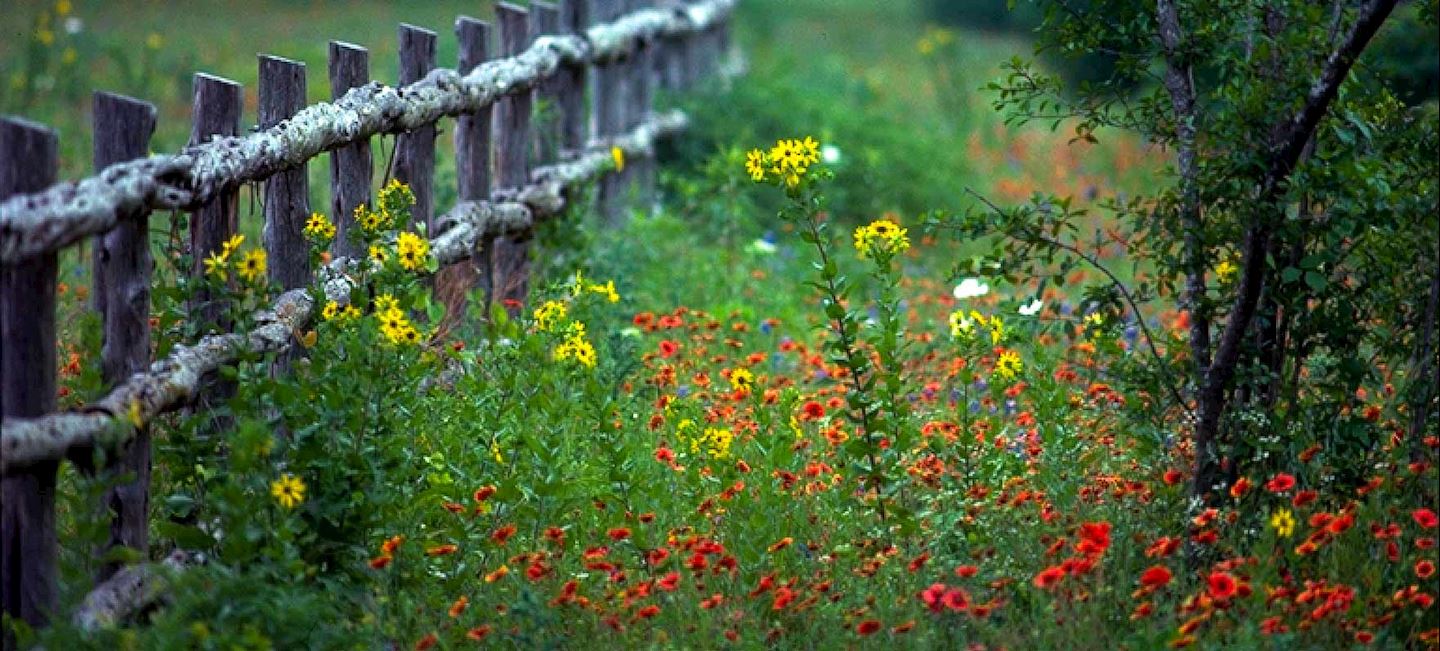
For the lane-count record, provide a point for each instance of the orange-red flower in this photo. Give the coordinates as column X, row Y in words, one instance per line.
column 1424, row 569
column 427, row 642
column 1425, row 518
column 1280, row 483
column 442, row 550
column 1157, row 576
column 1048, row 577
column 867, row 627
column 1221, row 585
column 503, row 534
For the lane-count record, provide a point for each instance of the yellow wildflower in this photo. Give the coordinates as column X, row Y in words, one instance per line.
column 1283, row 522
column 379, row 254
column 330, row 311
column 319, row 228
column 607, row 290
column 549, row 315
column 231, row 245
column 216, row 265
column 618, row 155
column 881, row 235
column 252, row 266
column 288, row 490
column 412, row 250
column 386, row 303
column 1226, row 270
column 741, row 379
column 1008, row 365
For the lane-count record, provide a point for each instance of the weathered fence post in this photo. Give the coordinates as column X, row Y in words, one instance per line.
column 642, row 98
column 545, row 20
column 472, row 175
column 351, row 166
column 609, row 111
column 29, row 159
column 415, row 154
column 287, row 193
column 570, row 83
column 511, row 253
column 122, row 271
column 215, row 112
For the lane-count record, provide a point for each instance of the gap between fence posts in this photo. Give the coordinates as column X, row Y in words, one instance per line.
column 609, row 98
column 510, row 259
column 29, row 162
column 121, row 274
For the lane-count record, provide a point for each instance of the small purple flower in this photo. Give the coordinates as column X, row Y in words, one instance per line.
column 682, row 391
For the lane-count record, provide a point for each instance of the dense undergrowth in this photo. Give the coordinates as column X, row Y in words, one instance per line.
column 767, row 414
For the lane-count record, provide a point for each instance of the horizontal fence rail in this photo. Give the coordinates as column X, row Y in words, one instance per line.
column 31, row 224
column 598, row 62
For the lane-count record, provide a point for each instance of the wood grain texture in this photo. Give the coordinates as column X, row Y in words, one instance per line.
column 29, row 159
column 215, row 112
column 123, row 268
column 415, row 149
column 352, row 166
column 473, row 148
column 510, row 256
column 287, row 193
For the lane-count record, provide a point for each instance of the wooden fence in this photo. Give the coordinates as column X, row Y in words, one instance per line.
column 599, row 62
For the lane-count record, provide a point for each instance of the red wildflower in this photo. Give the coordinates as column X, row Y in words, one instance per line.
column 1172, row 477
column 427, row 642
column 867, row 627
column 783, row 597
column 459, row 606
column 484, row 493
column 503, row 534
column 812, row 410
column 933, row 595
column 1157, row 576
column 1222, row 585
column 966, row 571
column 668, row 348
column 1048, row 577
column 618, row 533
column 956, row 600
column 648, row 612
column 1424, row 569
column 669, row 582
column 1425, row 518
column 1238, row 488
column 442, row 550
column 781, row 544
column 389, row 546
column 381, row 561
column 479, row 632
column 1280, row 483
column 1304, row 497
column 1094, row 538
column 919, row 561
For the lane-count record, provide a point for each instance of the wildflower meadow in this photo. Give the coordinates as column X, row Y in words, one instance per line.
column 1066, row 325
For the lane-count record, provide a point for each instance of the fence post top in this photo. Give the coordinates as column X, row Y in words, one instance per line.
column 270, row 58
column 346, row 45
column 407, row 28
column 208, row 78
column 17, row 122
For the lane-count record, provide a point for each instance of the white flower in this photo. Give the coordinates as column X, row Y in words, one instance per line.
column 970, row 288
column 761, row 246
column 73, row 25
column 830, row 154
column 1032, row 309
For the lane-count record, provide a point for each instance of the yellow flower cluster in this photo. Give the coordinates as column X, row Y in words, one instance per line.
column 413, row 251
column 319, row 229
column 962, row 326
column 333, row 312
column 714, row 441
column 579, row 286
column 251, row 265
column 576, row 347
column 393, row 323
column 549, row 315
column 1008, row 365
column 788, row 161
column 881, row 236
